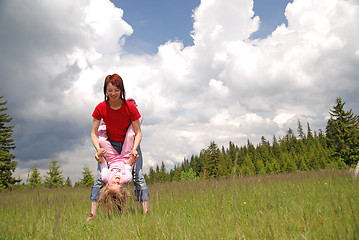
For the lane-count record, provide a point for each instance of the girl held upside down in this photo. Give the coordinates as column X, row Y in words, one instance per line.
column 116, row 171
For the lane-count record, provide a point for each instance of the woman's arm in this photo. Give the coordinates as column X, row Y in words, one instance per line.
column 94, row 138
column 138, row 137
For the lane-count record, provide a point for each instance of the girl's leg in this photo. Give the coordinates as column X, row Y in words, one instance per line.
column 111, row 152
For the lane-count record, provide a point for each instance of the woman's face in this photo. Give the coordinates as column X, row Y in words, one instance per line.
column 113, row 92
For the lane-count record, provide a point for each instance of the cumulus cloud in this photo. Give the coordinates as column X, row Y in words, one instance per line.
column 226, row 87
column 53, row 55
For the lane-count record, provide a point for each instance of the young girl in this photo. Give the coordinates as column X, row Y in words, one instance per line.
column 117, row 170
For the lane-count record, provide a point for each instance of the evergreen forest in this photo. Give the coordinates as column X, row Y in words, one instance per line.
column 338, row 147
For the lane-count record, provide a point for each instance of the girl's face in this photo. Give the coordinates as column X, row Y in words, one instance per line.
column 113, row 92
column 115, row 184
column 112, row 188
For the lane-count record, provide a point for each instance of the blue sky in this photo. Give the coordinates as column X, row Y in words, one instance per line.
column 156, row 22
column 241, row 76
column 271, row 14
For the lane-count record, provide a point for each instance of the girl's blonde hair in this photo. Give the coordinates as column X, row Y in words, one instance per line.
column 113, row 201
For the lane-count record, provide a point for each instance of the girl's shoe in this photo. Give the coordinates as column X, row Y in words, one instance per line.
column 90, row 217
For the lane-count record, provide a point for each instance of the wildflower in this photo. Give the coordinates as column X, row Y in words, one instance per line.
column 244, row 202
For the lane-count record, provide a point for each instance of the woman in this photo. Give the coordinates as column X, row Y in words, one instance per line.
column 118, row 114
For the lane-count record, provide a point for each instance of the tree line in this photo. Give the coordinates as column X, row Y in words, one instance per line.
column 338, row 147
column 54, row 177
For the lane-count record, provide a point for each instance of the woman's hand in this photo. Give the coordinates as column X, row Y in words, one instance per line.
column 134, row 154
column 133, row 158
column 99, row 155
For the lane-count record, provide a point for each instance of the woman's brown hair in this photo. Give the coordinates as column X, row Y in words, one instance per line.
column 117, row 81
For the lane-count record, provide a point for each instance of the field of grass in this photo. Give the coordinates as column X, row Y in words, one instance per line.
column 311, row 205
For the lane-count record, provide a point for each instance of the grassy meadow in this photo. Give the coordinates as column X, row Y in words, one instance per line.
column 307, row 205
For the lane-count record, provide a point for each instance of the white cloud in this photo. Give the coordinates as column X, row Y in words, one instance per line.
column 224, row 88
column 283, row 118
column 218, row 88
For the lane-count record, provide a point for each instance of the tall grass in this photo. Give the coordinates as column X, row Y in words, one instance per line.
column 310, row 205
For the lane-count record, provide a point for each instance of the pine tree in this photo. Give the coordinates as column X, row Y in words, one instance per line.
column 7, row 165
column 212, row 160
column 188, row 175
column 233, row 152
column 54, row 178
column 147, row 178
column 276, row 147
column 300, row 130
column 163, row 173
column 223, row 163
column 196, row 164
column 248, row 167
column 309, row 132
column 291, row 166
column 87, row 178
column 276, row 165
column 251, row 149
column 290, row 134
column 235, row 167
column 259, row 166
column 176, row 173
column 152, row 175
column 302, row 166
column 158, row 179
column 185, row 164
column 34, row 179
column 68, row 182
column 343, row 133
column 268, row 167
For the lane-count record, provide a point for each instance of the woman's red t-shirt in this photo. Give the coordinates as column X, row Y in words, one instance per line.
column 117, row 121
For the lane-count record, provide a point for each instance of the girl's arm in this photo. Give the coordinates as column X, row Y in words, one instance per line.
column 105, row 172
column 94, row 138
column 126, row 176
